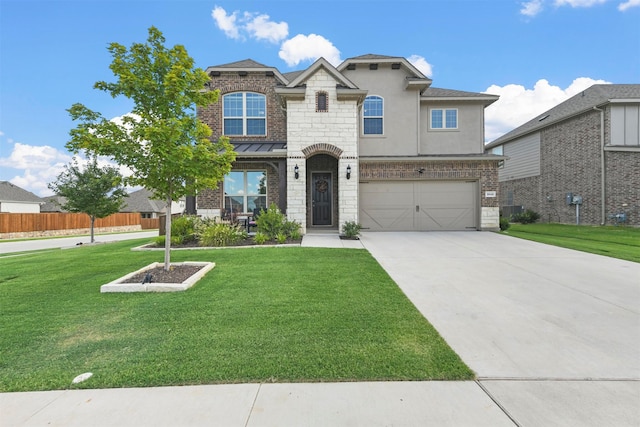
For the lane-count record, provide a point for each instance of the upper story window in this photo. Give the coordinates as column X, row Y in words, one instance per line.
column 373, row 115
column 442, row 118
column 322, row 102
column 245, row 113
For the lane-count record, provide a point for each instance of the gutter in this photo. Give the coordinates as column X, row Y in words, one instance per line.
column 602, row 169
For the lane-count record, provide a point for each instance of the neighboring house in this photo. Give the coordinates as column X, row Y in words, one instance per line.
column 14, row 199
column 141, row 201
column 52, row 204
column 369, row 141
column 579, row 161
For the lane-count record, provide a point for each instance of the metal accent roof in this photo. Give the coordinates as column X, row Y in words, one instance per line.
column 260, row 149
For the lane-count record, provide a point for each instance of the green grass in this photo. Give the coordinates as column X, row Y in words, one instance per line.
column 616, row 242
column 262, row 315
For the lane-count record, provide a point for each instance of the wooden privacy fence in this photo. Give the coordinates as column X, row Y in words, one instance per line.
column 27, row 222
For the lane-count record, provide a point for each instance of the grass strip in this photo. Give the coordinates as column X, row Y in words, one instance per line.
column 616, row 242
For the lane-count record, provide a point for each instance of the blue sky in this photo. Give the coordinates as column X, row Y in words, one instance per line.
column 534, row 54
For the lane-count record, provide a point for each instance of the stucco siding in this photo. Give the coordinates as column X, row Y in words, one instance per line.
column 467, row 139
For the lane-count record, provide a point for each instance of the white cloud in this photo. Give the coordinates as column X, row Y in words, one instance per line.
column 628, row 5
column 421, row 64
column 578, row 3
column 531, row 8
column 517, row 104
column 227, row 23
column 261, row 28
column 302, row 48
column 249, row 25
column 37, row 165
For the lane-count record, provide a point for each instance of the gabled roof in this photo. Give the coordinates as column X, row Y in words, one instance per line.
column 595, row 96
column 245, row 63
column 248, row 65
column 313, row 68
column 140, row 201
column 53, row 204
column 439, row 94
column 12, row 193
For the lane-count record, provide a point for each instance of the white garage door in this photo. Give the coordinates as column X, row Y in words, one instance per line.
column 419, row 206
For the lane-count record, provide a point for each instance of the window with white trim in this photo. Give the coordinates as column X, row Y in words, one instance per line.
column 373, row 115
column 245, row 191
column 444, row 118
column 244, row 114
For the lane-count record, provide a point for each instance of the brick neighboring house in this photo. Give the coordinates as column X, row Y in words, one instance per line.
column 368, row 141
column 588, row 146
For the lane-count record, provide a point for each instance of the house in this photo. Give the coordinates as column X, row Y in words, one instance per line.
column 579, row 162
column 14, row 199
column 141, row 201
column 368, row 141
column 53, row 204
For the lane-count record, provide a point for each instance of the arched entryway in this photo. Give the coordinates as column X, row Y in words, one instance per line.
column 322, row 191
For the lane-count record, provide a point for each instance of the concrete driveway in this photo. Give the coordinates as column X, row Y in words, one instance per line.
column 552, row 334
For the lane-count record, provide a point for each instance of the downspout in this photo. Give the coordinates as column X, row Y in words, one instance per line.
column 603, row 219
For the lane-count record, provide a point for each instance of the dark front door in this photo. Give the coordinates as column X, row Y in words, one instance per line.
column 321, row 198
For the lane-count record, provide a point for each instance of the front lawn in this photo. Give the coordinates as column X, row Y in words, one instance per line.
column 617, row 242
column 287, row 314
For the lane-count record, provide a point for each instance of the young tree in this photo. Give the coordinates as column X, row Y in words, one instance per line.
column 94, row 190
column 163, row 142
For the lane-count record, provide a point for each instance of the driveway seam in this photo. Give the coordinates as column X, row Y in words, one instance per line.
column 498, row 404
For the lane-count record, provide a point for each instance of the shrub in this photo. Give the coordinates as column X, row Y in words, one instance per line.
column 272, row 222
column 219, row 234
column 183, row 229
column 504, row 224
column 281, row 238
column 526, row 217
column 260, row 238
column 351, row 229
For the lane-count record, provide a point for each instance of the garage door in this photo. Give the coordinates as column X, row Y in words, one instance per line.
column 421, row 206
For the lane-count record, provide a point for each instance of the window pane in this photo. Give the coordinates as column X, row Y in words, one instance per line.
column 234, row 204
column 321, row 101
column 373, row 106
column 256, row 127
column 234, row 183
column 373, row 126
column 233, row 126
column 436, row 119
column 256, row 202
column 233, row 105
column 256, row 183
column 452, row 119
column 256, row 105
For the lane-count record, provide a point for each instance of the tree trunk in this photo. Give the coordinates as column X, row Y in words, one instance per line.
column 93, row 220
column 167, row 235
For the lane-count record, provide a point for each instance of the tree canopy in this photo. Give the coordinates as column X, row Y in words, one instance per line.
column 94, row 190
column 162, row 141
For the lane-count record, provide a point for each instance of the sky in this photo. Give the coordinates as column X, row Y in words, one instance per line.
column 533, row 54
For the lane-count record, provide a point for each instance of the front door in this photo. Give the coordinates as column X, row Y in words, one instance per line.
column 321, row 198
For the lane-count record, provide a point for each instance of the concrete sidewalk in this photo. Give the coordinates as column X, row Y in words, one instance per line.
column 552, row 334
column 9, row 246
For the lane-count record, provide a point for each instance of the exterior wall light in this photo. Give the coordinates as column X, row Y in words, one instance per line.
column 348, row 171
column 296, row 171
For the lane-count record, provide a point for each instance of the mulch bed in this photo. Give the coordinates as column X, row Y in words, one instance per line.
column 176, row 274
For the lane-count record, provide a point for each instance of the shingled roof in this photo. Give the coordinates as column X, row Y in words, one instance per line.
column 140, row 201
column 12, row 193
column 594, row 96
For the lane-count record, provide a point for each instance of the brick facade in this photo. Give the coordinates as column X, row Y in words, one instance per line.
column 570, row 163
